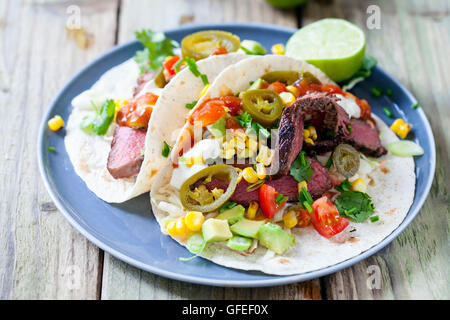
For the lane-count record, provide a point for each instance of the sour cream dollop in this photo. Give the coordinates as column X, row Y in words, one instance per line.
column 349, row 105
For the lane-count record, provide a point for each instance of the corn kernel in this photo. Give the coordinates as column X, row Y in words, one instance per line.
column 287, row 98
column 194, row 220
column 401, row 128
column 204, row 90
column 190, row 161
column 216, row 193
column 252, row 209
column 359, row 185
column 290, row 219
column 239, row 172
column 55, row 123
column 265, row 155
column 249, row 175
column 294, row 90
column 261, row 171
column 119, row 103
column 306, row 133
column 278, row 48
column 313, row 132
column 177, row 228
column 309, row 141
column 302, row 185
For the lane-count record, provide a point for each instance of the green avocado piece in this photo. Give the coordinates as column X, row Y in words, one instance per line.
column 218, row 128
column 233, row 215
column 247, row 228
column 239, row 243
column 216, row 230
column 257, row 84
column 273, row 237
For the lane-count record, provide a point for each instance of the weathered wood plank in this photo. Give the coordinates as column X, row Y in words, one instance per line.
column 122, row 281
column 411, row 45
column 43, row 257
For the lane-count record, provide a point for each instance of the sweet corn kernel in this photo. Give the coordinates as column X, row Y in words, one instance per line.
column 290, row 219
column 306, row 133
column 294, row 90
column 287, row 98
column 309, row 141
column 312, row 132
column 401, row 128
column 277, row 48
column 216, row 193
column 265, row 155
column 177, row 227
column 261, row 171
column 359, row 185
column 190, row 161
column 302, row 185
column 204, row 90
column 252, row 209
column 119, row 103
column 55, row 123
column 194, row 220
column 249, row 175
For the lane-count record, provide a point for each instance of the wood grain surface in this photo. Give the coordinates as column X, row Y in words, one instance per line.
column 43, row 257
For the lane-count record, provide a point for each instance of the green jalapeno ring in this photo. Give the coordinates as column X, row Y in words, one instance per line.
column 346, row 160
column 286, row 77
column 200, row 45
column 265, row 106
column 221, row 171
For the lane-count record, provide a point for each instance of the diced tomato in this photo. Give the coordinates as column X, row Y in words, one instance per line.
column 232, row 124
column 137, row 113
column 233, row 103
column 278, row 87
column 169, row 63
column 304, row 218
column 331, row 88
column 208, row 113
column 326, row 219
column 267, row 196
column 219, row 50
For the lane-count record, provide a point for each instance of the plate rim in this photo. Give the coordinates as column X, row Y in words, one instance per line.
column 277, row 280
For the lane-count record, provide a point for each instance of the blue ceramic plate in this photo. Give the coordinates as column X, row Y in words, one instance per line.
column 129, row 231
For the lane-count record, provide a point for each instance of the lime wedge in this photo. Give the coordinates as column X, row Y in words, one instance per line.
column 335, row 46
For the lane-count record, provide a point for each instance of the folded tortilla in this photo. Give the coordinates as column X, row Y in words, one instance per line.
column 89, row 153
column 391, row 185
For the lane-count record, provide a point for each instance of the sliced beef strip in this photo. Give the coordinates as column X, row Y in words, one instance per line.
column 320, row 106
column 125, row 158
column 365, row 138
column 142, row 81
column 286, row 185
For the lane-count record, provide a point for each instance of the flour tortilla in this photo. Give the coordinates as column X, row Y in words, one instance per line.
column 89, row 153
column 391, row 187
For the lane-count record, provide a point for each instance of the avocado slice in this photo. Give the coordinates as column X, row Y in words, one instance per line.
column 247, row 228
column 218, row 128
column 233, row 215
column 216, row 230
column 239, row 243
column 273, row 237
column 257, row 84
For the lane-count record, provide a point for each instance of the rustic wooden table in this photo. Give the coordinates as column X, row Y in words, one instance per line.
column 43, row 257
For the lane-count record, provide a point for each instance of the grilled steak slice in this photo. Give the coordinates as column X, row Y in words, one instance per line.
column 286, row 185
column 289, row 141
column 125, row 157
column 326, row 115
column 365, row 138
column 142, row 81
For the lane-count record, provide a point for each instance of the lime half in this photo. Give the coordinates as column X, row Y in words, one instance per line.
column 335, row 46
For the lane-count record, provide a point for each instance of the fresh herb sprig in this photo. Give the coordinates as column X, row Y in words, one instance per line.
column 101, row 120
column 301, row 168
column 156, row 48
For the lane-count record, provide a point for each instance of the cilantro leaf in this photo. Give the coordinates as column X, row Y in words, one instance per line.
column 344, row 186
column 100, row 122
column 355, row 205
column 301, row 168
column 166, row 150
column 156, row 48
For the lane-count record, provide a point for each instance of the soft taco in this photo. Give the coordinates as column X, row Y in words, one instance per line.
column 278, row 169
column 121, row 129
